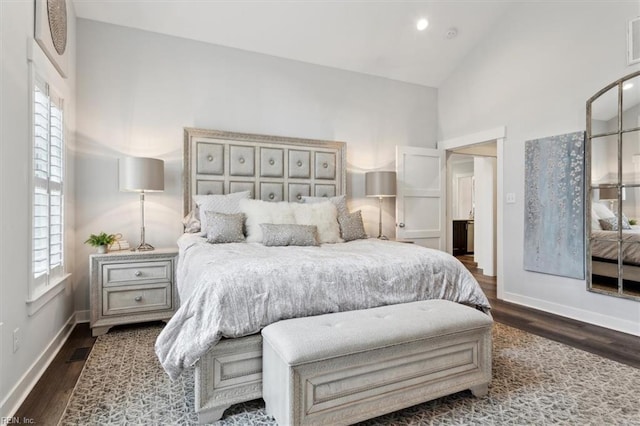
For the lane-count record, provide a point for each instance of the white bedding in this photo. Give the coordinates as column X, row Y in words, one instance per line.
column 234, row 290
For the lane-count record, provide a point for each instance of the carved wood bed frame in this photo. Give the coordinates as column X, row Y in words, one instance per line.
column 274, row 169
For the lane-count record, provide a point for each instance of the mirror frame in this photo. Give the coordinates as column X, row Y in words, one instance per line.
column 620, row 185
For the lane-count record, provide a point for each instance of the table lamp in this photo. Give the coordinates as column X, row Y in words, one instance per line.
column 381, row 185
column 140, row 174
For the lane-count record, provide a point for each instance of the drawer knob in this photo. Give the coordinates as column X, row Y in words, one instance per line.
column 210, row 157
column 137, row 273
column 241, row 160
column 325, row 165
column 138, row 298
column 272, row 162
column 299, row 163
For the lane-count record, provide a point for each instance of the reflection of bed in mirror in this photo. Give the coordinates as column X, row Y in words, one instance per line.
column 605, row 247
column 604, row 258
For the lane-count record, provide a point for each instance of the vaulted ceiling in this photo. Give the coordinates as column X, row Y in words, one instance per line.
column 379, row 38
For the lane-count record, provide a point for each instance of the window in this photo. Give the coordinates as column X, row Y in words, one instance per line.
column 48, row 187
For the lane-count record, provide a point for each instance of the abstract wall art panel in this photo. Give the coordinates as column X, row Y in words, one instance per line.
column 554, row 205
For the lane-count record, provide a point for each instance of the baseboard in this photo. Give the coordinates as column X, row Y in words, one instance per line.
column 606, row 321
column 20, row 391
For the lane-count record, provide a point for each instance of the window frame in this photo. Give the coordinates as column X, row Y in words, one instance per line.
column 48, row 284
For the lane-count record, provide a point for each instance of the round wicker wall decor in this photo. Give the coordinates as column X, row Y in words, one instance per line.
column 57, row 11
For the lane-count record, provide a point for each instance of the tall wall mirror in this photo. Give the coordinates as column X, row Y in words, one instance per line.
column 613, row 189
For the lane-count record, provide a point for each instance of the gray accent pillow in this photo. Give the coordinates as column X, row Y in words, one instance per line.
column 611, row 223
column 224, row 228
column 352, row 227
column 289, row 235
column 228, row 204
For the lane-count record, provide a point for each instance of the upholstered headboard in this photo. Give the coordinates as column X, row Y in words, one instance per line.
column 273, row 168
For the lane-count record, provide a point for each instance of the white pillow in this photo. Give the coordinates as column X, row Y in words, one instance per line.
column 227, row 204
column 322, row 215
column 258, row 211
column 595, row 221
column 601, row 211
column 339, row 201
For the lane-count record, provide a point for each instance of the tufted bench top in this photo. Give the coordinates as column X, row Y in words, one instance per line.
column 302, row 340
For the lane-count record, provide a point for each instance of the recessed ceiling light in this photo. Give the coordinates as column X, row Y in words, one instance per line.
column 627, row 86
column 422, row 24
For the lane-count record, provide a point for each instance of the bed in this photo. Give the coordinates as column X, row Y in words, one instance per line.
column 228, row 292
column 606, row 242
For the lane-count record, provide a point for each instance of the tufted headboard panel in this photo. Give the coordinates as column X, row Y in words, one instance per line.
column 273, row 168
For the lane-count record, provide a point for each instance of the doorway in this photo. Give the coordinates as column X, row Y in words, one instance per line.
column 473, row 203
column 485, row 151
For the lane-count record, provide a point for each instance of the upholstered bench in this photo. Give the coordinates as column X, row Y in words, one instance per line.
column 350, row 366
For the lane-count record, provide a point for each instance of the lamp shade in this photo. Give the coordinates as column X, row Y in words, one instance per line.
column 610, row 194
column 380, row 184
column 140, row 174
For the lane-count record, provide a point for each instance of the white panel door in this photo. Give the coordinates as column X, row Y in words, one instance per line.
column 420, row 202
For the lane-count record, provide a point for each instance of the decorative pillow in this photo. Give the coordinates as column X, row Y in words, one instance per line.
column 601, row 210
column 611, row 223
column 191, row 222
column 228, row 204
column 340, row 202
column 288, row 235
column 595, row 221
column 258, row 211
column 341, row 205
column 323, row 215
column 224, row 228
column 352, row 227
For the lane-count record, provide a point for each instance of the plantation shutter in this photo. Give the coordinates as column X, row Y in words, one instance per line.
column 55, row 187
column 48, row 208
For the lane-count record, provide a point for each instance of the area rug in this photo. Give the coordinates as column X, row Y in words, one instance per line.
column 535, row 381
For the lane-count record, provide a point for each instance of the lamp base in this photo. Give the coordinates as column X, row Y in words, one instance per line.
column 144, row 247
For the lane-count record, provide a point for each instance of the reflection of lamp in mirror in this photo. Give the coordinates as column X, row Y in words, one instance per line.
column 610, row 195
column 381, row 185
column 141, row 175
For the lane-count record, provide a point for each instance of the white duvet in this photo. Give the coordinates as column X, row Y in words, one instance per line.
column 234, row 290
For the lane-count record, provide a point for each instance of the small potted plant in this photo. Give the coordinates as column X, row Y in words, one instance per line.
column 102, row 241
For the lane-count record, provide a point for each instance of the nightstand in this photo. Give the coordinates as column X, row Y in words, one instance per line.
column 129, row 287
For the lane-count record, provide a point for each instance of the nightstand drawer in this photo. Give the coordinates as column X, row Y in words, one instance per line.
column 139, row 298
column 115, row 274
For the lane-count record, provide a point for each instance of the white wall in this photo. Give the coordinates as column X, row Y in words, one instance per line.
column 137, row 90
column 534, row 74
column 42, row 332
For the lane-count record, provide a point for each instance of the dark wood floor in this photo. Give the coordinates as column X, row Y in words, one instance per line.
column 621, row 347
column 48, row 399
column 46, row 403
